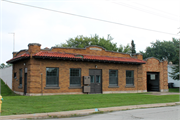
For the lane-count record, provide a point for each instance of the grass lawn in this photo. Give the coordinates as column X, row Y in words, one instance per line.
column 40, row 104
column 5, row 90
column 15, row 104
column 173, row 89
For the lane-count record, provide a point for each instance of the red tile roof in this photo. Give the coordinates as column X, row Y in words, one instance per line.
column 19, row 57
column 46, row 54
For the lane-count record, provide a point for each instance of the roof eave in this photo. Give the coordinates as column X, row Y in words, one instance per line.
column 88, row 60
column 17, row 59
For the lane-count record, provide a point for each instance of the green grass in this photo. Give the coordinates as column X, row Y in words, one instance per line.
column 173, row 89
column 15, row 104
column 5, row 90
column 41, row 104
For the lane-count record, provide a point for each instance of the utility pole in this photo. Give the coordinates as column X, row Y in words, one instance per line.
column 13, row 41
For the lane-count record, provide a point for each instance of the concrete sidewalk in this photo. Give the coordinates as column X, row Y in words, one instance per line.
column 84, row 112
column 164, row 93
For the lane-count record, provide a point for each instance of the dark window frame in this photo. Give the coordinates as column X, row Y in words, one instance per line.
column 130, row 80
column 15, row 75
column 75, row 77
column 113, row 77
column 20, row 77
column 56, row 77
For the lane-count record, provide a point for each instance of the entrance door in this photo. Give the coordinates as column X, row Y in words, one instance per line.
column 153, row 81
column 25, row 81
column 96, row 81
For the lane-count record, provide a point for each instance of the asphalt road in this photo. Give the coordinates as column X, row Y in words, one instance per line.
column 161, row 113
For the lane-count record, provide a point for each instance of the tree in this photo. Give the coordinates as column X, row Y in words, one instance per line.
column 80, row 42
column 162, row 50
column 8, row 65
column 133, row 49
column 2, row 65
column 125, row 49
column 175, row 69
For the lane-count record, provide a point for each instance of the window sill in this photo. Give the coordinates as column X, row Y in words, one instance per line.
column 75, row 87
column 111, row 86
column 20, row 87
column 129, row 86
column 51, row 87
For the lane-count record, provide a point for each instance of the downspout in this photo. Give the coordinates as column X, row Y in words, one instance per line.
column 41, row 84
column 137, row 80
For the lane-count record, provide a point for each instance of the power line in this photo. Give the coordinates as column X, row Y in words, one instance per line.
column 89, row 17
column 154, row 9
column 132, row 7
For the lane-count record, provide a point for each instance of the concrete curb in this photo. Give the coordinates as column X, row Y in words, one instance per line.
column 84, row 112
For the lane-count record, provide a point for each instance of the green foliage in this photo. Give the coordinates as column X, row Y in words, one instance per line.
column 80, row 42
column 4, row 65
column 175, row 72
column 125, row 49
column 163, row 50
column 5, row 90
column 56, row 103
column 175, row 69
column 133, row 48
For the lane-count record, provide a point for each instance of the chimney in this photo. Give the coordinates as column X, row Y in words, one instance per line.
column 34, row 48
column 14, row 54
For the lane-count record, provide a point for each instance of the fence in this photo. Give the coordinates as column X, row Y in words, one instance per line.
column 6, row 76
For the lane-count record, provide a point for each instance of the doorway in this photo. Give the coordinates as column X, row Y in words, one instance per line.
column 25, row 81
column 153, row 81
column 96, row 81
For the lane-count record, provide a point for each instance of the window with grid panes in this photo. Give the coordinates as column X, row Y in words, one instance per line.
column 129, row 77
column 52, row 77
column 75, row 77
column 113, row 77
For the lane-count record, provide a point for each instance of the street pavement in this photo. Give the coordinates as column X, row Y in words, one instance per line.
column 161, row 113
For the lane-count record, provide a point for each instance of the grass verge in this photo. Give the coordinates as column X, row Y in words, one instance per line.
column 173, row 89
column 5, row 90
column 13, row 105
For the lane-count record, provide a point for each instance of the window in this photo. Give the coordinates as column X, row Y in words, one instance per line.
column 129, row 77
column 14, row 75
column 52, row 77
column 92, row 78
column 113, row 77
column 20, row 77
column 75, row 77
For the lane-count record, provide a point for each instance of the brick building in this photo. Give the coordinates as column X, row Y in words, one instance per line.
column 58, row 70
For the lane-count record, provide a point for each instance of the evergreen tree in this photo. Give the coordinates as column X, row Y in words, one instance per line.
column 175, row 69
column 133, row 49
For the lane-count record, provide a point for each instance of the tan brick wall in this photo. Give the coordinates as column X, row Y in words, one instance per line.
column 15, row 81
column 35, row 70
column 154, row 65
column 36, row 74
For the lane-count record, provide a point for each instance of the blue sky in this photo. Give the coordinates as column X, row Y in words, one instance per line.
column 32, row 25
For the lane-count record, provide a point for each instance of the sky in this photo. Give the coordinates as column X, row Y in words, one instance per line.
column 51, row 27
